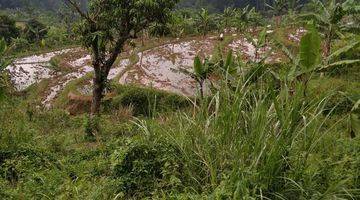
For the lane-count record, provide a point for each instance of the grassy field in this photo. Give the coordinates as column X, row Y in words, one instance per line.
column 249, row 143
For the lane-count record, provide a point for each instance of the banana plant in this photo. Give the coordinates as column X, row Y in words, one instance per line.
column 228, row 17
column 278, row 8
column 204, row 21
column 333, row 60
column 245, row 16
column 201, row 72
column 305, row 63
column 329, row 18
column 294, row 5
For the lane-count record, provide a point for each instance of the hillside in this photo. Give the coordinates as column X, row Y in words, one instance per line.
column 138, row 100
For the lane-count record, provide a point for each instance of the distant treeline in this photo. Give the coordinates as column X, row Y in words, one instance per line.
column 212, row 5
column 219, row 5
column 39, row 4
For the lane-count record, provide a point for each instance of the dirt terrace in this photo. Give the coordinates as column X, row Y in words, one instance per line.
column 157, row 67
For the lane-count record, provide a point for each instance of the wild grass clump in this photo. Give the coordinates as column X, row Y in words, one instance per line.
column 147, row 101
column 254, row 142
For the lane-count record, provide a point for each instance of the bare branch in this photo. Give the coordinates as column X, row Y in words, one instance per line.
column 74, row 5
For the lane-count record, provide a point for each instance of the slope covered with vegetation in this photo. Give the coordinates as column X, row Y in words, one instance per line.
column 272, row 113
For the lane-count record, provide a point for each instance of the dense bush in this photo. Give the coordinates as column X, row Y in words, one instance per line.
column 8, row 29
column 143, row 168
column 147, row 101
column 35, row 31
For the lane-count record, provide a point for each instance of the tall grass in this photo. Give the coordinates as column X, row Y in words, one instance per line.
column 256, row 142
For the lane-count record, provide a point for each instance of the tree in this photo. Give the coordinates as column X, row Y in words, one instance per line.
column 8, row 29
column 106, row 27
column 35, row 31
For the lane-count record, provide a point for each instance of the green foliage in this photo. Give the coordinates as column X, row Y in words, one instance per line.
column 201, row 72
column 3, row 63
column 310, row 49
column 143, row 168
column 35, row 31
column 146, row 101
column 204, row 21
column 8, row 29
column 329, row 19
column 278, row 7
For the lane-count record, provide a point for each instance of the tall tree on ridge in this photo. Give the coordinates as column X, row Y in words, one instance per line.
column 106, row 27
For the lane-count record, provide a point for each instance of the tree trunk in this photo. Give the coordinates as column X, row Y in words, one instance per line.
column 98, row 89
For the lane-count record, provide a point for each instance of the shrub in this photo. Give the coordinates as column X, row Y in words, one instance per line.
column 8, row 28
column 144, row 168
column 19, row 44
column 35, row 31
column 146, row 101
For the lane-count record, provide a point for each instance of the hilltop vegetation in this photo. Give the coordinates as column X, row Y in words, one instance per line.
column 242, row 103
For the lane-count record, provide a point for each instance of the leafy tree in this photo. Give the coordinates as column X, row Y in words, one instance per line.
column 35, row 31
column 68, row 17
column 106, row 27
column 8, row 29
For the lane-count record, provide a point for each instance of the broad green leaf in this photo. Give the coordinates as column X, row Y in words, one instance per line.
column 343, row 50
column 340, row 63
column 310, row 48
column 2, row 46
column 198, row 68
column 229, row 59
